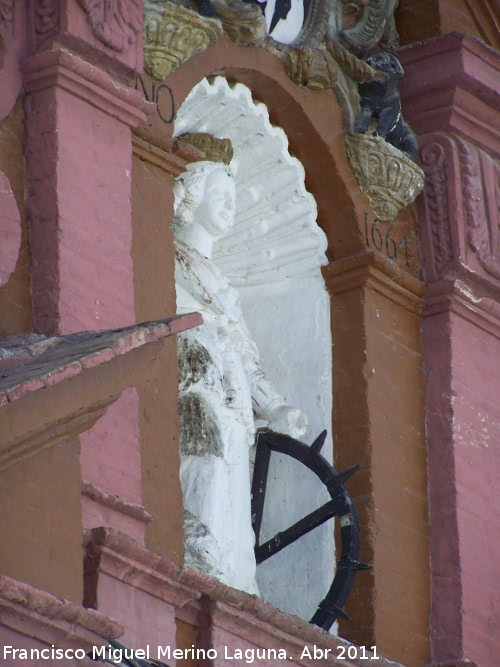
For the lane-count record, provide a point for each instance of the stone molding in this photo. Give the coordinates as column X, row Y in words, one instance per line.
column 117, row 23
column 114, row 502
column 389, row 179
column 36, row 613
column 201, row 599
column 375, row 272
column 171, row 155
column 460, row 212
column 455, row 296
column 173, row 34
column 62, row 69
column 51, row 434
column 116, row 554
column 83, row 351
column 69, row 358
column 157, row 151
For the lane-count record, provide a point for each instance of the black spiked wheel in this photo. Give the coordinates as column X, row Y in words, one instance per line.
column 341, row 505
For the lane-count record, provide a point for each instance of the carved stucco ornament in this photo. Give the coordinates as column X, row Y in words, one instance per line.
column 173, row 34
column 389, row 179
column 244, row 22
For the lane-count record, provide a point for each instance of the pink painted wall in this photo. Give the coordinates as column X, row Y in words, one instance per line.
column 476, row 407
column 78, row 122
column 450, row 96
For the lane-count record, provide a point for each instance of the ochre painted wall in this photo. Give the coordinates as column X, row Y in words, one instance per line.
column 40, row 521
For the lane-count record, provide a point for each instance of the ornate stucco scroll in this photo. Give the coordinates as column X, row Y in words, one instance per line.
column 173, row 34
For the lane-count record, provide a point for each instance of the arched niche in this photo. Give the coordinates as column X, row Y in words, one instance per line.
column 273, row 256
column 312, row 121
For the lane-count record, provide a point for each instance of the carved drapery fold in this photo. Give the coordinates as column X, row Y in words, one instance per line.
column 461, row 210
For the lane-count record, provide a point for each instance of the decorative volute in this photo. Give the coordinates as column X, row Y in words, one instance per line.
column 173, row 34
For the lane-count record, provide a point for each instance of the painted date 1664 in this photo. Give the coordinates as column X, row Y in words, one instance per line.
column 385, row 243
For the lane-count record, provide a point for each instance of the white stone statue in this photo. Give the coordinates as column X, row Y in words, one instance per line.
column 223, row 393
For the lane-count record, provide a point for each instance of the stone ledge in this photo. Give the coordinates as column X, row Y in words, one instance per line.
column 40, row 615
column 452, row 85
column 240, row 617
column 454, row 295
column 50, row 361
column 378, row 273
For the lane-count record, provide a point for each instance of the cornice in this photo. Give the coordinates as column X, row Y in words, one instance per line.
column 51, row 434
column 373, row 271
column 248, row 617
column 33, row 372
column 452, row 84
column 114, row 502
column 454, row 296
column 116, row 554
column 36, row 613
column 65, row 70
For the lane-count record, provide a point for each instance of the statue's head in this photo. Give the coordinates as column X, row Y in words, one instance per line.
column 205, row 195
column 387, row 63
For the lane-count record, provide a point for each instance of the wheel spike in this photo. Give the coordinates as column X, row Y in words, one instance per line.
column 317, row 445
column 354, row 565
column 342, row 477
column 336, row 610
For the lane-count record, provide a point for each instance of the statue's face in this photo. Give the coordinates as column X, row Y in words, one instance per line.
column 217, row 207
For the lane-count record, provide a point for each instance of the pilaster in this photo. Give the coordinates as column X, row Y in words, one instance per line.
column 378, row 422
column 451, row 97
column 79, row 113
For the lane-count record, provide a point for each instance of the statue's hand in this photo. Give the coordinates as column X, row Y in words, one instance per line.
column 288, row 420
